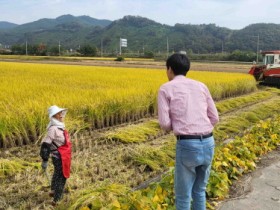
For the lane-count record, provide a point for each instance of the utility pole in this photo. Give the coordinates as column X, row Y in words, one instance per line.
column 258, row 43
column 101, row 48
column 167, row 47
column 59, row 48
column 120, row 46
column 26, row 48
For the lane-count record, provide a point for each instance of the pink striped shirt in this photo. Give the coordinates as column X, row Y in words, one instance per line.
column 186, row 107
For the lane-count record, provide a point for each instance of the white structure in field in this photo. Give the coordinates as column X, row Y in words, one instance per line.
column 123, row 43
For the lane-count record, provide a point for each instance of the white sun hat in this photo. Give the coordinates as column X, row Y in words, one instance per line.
column 53, row 110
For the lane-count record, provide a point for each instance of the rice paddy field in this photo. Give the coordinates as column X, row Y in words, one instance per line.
column 121, row 157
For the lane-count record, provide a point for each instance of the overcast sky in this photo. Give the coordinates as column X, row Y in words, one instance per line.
column 233, row 14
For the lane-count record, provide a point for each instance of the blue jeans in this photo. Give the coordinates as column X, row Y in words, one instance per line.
column 192, row 170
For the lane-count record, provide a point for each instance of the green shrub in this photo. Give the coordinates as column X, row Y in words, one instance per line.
column 119, row 58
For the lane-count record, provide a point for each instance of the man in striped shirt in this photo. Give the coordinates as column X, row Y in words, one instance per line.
column 186, row 107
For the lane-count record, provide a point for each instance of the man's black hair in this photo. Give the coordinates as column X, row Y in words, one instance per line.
column 179, row 63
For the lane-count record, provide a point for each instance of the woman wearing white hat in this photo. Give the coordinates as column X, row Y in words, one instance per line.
column 57, row 144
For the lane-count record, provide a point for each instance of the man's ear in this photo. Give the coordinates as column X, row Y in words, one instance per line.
column 170, row 73
column 169, row 69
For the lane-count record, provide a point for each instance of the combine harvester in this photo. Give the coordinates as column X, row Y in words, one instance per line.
column 269, row 72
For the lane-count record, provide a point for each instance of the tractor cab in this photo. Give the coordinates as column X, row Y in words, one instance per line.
column 271, row 59
column 269, row 71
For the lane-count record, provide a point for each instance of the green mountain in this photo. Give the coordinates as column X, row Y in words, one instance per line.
column 7, row 25
column 67, row 29
column 264, row 36
column 142, row 35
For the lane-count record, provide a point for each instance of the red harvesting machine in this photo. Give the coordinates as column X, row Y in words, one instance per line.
column 269, row 71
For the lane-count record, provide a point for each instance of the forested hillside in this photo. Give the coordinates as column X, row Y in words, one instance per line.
column 142, row 34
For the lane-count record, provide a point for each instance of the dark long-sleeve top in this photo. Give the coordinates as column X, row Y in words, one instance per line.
column 53, row 139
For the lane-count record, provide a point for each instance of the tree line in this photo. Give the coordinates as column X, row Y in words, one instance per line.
column 92, row 50
column 44, row 50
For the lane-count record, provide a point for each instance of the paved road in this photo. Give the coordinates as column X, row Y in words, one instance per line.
column 263, row 190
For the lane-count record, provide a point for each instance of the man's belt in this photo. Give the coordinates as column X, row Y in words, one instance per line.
column 182, row 137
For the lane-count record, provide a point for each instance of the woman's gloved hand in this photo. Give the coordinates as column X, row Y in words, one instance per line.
column 44, row 165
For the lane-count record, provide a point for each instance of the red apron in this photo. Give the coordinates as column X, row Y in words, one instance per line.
column 65, row 153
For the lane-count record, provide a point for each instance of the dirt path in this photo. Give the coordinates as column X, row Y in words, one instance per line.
column 196, row 66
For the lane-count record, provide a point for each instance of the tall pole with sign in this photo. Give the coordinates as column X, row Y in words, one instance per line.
column 123, row 43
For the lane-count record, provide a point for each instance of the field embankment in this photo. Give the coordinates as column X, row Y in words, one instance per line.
column 222, row 66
